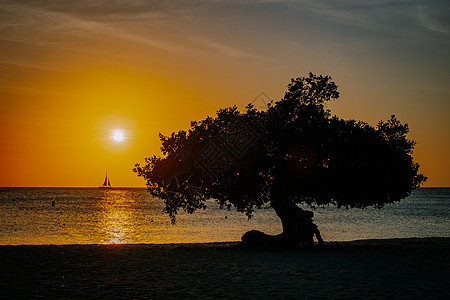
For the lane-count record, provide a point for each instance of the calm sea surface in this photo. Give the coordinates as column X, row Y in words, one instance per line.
column 96, row 216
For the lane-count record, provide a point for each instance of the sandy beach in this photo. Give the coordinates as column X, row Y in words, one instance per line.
column 370, row 269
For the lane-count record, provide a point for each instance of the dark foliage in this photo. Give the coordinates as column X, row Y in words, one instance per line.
column 295, row 150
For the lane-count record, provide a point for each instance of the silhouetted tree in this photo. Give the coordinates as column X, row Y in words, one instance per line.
column 293, row 152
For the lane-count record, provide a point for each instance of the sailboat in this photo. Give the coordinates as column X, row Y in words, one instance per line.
column 106, row 184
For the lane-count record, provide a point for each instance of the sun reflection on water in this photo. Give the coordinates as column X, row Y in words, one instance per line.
column 117, row 217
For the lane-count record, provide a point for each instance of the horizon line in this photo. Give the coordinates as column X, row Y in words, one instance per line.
column 69, row 187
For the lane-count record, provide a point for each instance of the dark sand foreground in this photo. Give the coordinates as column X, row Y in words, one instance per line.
column 373, row 269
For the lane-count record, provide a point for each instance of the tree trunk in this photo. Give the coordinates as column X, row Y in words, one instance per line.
column 298, row 228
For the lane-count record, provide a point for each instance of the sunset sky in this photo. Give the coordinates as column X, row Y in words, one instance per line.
column 73, row 72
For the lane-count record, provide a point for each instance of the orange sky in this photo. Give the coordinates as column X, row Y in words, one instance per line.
column 74, row 71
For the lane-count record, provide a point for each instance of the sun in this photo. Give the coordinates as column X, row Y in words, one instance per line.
column 118, row 136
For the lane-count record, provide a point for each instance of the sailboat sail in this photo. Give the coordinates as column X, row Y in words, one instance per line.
column 106, row 183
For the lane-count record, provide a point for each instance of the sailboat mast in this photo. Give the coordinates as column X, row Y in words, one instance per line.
column 106, row 184
column 106, row 179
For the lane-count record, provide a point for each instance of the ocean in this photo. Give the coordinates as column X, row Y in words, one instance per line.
column 132, row 216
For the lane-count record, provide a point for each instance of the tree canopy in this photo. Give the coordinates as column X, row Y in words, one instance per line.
column 295, row 151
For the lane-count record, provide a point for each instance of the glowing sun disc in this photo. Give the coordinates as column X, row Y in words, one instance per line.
column 118, row 136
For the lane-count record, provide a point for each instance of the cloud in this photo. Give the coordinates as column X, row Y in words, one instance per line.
column 33, row 65
column 197, row 27
column 31, row 91
column 224, row 49
column 42, row 26
column 157, row 25
column 386, row 17
column 433, row 24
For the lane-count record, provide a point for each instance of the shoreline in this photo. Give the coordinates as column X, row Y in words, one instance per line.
column 393, row 268
column 352, row 243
